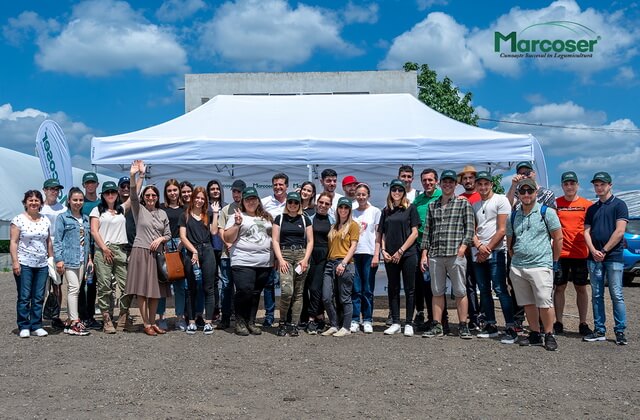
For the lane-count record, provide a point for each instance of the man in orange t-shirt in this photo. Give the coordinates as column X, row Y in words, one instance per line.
column 572, row 210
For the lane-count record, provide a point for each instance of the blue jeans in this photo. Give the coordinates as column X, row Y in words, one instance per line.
column 227, row 288
column 613, row 272
column 270, row 296
column 494, row 272
column 178, row 287
column 364, row 284
column 31, row 285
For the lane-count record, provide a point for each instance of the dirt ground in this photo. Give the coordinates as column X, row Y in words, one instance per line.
column 131, row 375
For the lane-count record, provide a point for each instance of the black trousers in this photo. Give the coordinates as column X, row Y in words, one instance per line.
column 406, row 268
column 207, row 262
column 312, row 297
column 250, row 282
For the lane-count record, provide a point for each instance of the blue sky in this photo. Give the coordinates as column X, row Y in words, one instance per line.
column 103, row 67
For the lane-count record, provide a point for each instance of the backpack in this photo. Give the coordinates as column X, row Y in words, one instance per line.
column 543, row 213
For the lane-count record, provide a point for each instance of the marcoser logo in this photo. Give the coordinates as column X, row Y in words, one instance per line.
column 579, row 41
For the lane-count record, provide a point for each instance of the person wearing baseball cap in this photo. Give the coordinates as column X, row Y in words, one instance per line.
column 249, row 233
column 226, row 279
column 51, row 209
column 524, row 170
column 90, row 184
column 397, row 234
column 534, row 241
column 124, row 188
column 449, row 230
column 349, row 184
column 604, row 235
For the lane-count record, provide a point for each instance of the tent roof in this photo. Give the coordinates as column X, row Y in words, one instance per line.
column 312, row 129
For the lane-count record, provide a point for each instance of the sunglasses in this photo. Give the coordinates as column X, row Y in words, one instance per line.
column 292, row 202
column 397, row 189
column 525, row 191
column 110, row 192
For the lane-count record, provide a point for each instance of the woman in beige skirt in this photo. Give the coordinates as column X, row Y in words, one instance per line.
column 152, row 231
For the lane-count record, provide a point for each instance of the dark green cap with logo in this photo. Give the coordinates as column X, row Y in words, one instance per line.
column 601, row 176
column 524, row 164
column 397, row 183
column 483, row 175
column 448, row 173
column 89, row 177
column 52, row 183
column 294, row 196
column 569, row 176
column 344, row 201
column 249, row 192
column 109, row 186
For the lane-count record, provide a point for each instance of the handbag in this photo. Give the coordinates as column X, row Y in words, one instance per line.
column 170, row 266
column 51, row 307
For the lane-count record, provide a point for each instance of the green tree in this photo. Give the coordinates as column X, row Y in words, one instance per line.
column 442, row 95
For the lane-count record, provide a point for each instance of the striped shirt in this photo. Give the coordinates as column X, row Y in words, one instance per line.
column 448, row 227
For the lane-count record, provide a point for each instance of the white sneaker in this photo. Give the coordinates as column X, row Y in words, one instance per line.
column 342, row 332
column 408, row 331
column 25, row 333
column 192, row 329
column 40, row 332
column 393, row 329
column 208, row 329
column 368, row 328
column 330, row 331
column 355, row 327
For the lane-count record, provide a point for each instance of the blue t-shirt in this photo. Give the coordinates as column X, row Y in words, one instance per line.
column 602, row 218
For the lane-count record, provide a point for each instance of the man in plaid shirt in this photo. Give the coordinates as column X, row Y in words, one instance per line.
column 448, row 231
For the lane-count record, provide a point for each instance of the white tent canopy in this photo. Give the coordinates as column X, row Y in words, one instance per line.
column 238, row 136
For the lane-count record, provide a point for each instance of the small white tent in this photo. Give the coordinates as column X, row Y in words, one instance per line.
column 368, row 136
column 20, row 173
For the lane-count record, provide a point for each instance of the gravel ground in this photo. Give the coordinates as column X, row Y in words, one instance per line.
column 130, row 375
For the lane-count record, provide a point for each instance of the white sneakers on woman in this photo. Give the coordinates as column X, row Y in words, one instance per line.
column 342, row 332
column 331, row 331
column 367, row 327
column 393, row 329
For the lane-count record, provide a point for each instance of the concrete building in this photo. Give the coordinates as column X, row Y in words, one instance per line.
column 199, row 88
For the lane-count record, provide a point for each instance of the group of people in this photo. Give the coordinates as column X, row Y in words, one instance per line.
column 324, row 249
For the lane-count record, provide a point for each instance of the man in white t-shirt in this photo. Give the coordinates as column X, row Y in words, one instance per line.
column 405, row 174
column 51, row 209
column 489, row 256
column 329, row 181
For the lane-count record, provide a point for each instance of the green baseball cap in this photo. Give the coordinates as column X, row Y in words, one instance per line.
column 483, row 175
column 89, row 177
column 601, row 176
column 344, row 201
column 109, row 186
column 294, row 196
column 569, row 176
column 527, row 182
column 249, row 192
column 397, row 183
column 52, row 183
column 448, row 173
column 524, row 164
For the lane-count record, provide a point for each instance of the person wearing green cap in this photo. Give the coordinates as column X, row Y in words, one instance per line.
column 572, row 211
column 292, row 237
column 525, row 170
column 604, row 228
column 449, row 230
column 51, row 209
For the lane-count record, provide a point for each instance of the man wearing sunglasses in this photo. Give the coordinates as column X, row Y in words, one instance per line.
column 530, row 235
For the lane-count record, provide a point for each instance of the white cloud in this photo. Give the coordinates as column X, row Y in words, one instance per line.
column 176, row 10
column 106, row 36
column 427, row 4
column 270, row 34
column 441, row 42
column 626, row 76
column 535, row 98
column 354, row 13
column 482, row 112
column 616, row 45
column 27, row 24
column 18, row 129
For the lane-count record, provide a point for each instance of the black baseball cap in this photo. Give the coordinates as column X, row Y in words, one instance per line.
column 238, row 185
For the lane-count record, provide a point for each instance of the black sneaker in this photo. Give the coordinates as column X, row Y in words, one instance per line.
column 435, row 331
column 312, row 328
column 224, row 324
column 57, row 324
column 389, row 321
column 534, row 339
column 621, row 340
column 558, row 327
column 595, row 336
column 241, row 327
column 93, row 324
column 419, row 319
column 199, row 322
column 584, row 330
column 321, row 325
column 474, row 326
column 550, row 342
column 253, row 328
column 294, row 332
column 510, row 336
column 445, row 328
column 282, row 330
column 489, row 331
column 463, row 331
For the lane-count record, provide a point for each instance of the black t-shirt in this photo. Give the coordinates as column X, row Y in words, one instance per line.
column 396, row 227
column 174, row 219
column 292, row 229
column 321, row 228
column 310, row 211
column 197, row 232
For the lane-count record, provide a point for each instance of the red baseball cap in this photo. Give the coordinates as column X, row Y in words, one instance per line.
column 349, row 179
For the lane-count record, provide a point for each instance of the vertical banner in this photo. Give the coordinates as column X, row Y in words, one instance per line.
column 53, row 151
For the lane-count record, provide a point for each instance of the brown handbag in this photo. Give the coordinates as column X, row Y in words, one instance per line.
column 170, row 266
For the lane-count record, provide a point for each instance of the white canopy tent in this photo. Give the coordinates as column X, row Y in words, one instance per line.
column 369, row 136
